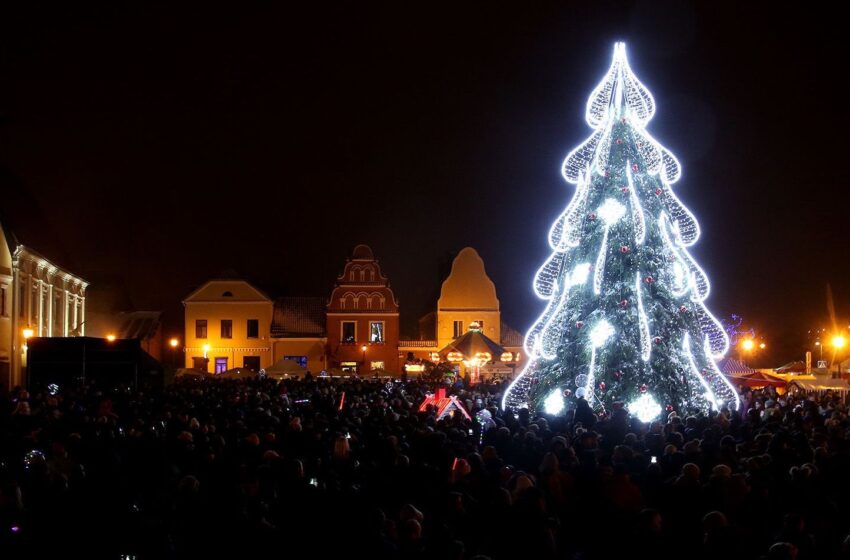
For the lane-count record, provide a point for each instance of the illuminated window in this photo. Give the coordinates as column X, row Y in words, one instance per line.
column 376, row 365
column 458, row 328
column 226, row 328
column 348, row 367
column 376, row 331
column 349, row 331
column 220, row 365
column 253, row 328
column 201, row 328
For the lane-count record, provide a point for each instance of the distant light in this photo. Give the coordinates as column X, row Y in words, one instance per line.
column 363, row 347
column 206, row 350
column 762, row 345
column 53, row 388
column 645, row 408
column 28, row 333
column 838, row 341
column 110, row 337
column 748, row 344
column 15, row 528
column 611, row 211
column 600, row 333
column 174, row 342
column 554, row 403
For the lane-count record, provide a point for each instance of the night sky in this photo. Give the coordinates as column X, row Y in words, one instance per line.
column 151, row 149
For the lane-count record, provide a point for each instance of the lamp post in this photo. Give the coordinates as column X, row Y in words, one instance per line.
column 365, row 371
column 27, row 333
column 838, row 343
column 173, row 343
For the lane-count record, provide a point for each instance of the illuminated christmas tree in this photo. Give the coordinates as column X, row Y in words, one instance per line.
column 625, row 318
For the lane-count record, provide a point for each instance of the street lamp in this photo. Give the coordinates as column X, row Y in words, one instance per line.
column 364, row 359
column 27, row 332
column 748, row 345
column 110, row 337
column 838, row 343
column 173, row 343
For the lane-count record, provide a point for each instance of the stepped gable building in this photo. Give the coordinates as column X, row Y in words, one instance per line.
column 362, row 318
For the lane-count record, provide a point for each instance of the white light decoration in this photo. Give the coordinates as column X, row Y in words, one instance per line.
column 601, row 332
column 645, row 408
column 557, row 344
column 554, row 403
column 643, row 322
column 611, row 211
column 580, row 274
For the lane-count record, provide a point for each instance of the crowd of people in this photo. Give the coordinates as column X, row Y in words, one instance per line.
column 324, row 467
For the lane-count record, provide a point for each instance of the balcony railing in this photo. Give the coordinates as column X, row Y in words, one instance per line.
column 417, row 343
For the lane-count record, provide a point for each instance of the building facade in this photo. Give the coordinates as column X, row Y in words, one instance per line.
column 227, row 325
column 37, row 299
column 298, row 332
column 362, row 318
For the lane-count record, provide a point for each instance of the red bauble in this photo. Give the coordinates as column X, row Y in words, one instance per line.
column 658, row 192
column 619, row 141
column 568, row 393
column 657, row 340
column 643, row 388
column 579, row 324
column 591, row 216
column 648, row 280
column 669, row 408
column 634, row 167
column 618, row 374
column 624, row 303
column 624, row 249
column 602, row 385
column 683, row 309
column 625, row 190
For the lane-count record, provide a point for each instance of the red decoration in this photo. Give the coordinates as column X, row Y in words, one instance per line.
column 634, row 167
column 568, row 393
column 619, row 141
column 579, row 324
column 648, row 280
column 657, row 340
column 602, row 385
column 618, row 374
column 591, row 216
column 625, row 190
column 669, row 408
column 643, row 388
column 624, row 303
column 658, row 192
column 683, row 309
column 624, row 249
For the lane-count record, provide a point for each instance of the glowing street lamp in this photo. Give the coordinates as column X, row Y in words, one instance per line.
column 748, row 345
column 173, row 342
column 838, row 341
column 363, row 348
column 28, row 333
column 110, row 337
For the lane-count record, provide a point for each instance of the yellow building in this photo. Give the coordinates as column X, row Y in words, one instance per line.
column 38, row 299
column 467, row 296
column 227, row 326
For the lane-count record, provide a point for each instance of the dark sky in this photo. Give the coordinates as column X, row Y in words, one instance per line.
column 156, row 147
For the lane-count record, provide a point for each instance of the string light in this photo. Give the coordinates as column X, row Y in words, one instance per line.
column 554, row 403
column 645, row 408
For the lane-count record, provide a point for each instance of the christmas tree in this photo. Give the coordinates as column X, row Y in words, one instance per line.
column 625, row 319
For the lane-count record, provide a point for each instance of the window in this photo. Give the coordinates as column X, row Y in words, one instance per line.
column 349, row 331
column 362, row 275
column 199, row 363
column 226, row 328
column 220, row 365
column 57, row 314
column 376, row 331
column 3, row 310
column 201, row 328
column 377, row 365
column 22, row 301
column 251, row 362
column 300, row 360
column 348, row 367
column 458, row 328
column 253, row 328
